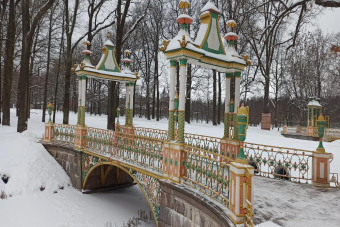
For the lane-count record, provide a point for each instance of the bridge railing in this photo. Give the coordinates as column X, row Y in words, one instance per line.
column 64, row 133
column 280, row 162
column 206, row 172
column 142, row 151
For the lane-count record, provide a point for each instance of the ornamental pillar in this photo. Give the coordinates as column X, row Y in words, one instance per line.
column 171, row 126
column 321, row 159
column 131, row 103
column 49, row 126
column 81, row 100
column 181, row 107
column 241, row 192
column 227, row 105
column 80, row 129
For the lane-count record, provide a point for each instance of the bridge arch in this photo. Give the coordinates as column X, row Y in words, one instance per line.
column 148, row 184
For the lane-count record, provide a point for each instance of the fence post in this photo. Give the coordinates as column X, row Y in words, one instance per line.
column 321, row 159
column 241, row 189
column 285, row 129
column 49, row 126
column 79, row 136
column 174, row 161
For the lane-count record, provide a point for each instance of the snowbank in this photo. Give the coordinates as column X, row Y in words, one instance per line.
column 268, row 224
column 27, row 164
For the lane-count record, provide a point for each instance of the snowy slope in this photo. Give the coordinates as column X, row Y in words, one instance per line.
column 277, row 203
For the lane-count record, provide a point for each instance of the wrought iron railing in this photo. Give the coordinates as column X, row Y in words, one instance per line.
column 142, row 151
column 99, row 141
column 64, row 133
column 280, row 162
column 206, row 173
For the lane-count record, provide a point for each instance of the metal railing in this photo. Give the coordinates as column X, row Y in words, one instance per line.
column 64, row 133
column 206, row 173
column 280, row 162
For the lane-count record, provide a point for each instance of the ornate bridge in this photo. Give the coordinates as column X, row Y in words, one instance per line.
column 174, row 169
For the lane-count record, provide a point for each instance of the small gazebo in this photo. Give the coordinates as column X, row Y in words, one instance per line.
column 314, row 110
column 106, row 69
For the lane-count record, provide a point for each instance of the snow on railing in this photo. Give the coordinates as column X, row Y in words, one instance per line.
column 143, row 151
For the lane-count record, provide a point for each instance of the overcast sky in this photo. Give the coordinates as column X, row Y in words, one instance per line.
column 329, row 21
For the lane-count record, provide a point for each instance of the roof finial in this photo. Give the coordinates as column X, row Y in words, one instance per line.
column 184, row 4
column 108, row 35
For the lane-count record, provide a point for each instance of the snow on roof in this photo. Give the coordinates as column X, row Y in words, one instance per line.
column 117, row 74
column 201, row 34
column 231, row 33
column 314, row 103
column 108, row 43
column 231, row 21
column 210, row 6
column 184, row 16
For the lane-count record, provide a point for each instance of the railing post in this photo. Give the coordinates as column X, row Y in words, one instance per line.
column 241, row 189
column 49, row 126
column 80, row 134
column 174, row 161
column 321, row 159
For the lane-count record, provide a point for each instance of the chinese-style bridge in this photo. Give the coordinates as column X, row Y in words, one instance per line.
column 188, row 179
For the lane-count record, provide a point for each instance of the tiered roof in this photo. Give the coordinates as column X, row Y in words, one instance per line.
column 207, row 50
column 107, row 67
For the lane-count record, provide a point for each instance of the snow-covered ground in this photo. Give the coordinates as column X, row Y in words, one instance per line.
column 277, row 203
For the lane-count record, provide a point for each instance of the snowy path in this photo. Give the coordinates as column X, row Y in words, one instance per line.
column 295, row 205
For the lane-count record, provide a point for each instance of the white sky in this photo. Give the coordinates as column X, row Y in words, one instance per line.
column 329, row 21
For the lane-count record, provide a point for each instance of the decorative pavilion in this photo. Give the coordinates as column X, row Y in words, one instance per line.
column 208, row 51
column 106, row 69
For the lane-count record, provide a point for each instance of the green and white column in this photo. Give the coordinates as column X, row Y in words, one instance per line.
column 181, row 108
column 227, row 105
column 172, row 93
column 129, row 104
column 81, row 99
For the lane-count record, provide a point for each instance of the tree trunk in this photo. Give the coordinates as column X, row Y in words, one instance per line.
column 8, row 65
column 214, row 98
column 111, row 106
column 58, row 70
column 48, row 66
column 219, row 105
column 24, row 68
column 266, row 95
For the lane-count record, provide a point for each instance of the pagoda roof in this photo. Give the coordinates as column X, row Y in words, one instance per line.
column 107, row 67
column 208, row 49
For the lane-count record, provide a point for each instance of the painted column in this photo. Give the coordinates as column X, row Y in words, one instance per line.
column 131, row 103
column 127, row 105
column 237, row 90
column 171, row 127
column 227, row 105
column 80, row 130
column 308, row 117
column 181, row 107
column 241, row 191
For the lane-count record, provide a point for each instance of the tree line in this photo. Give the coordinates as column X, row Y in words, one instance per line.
column 41, row 40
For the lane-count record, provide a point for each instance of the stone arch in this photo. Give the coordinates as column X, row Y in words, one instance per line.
column 148, row 184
